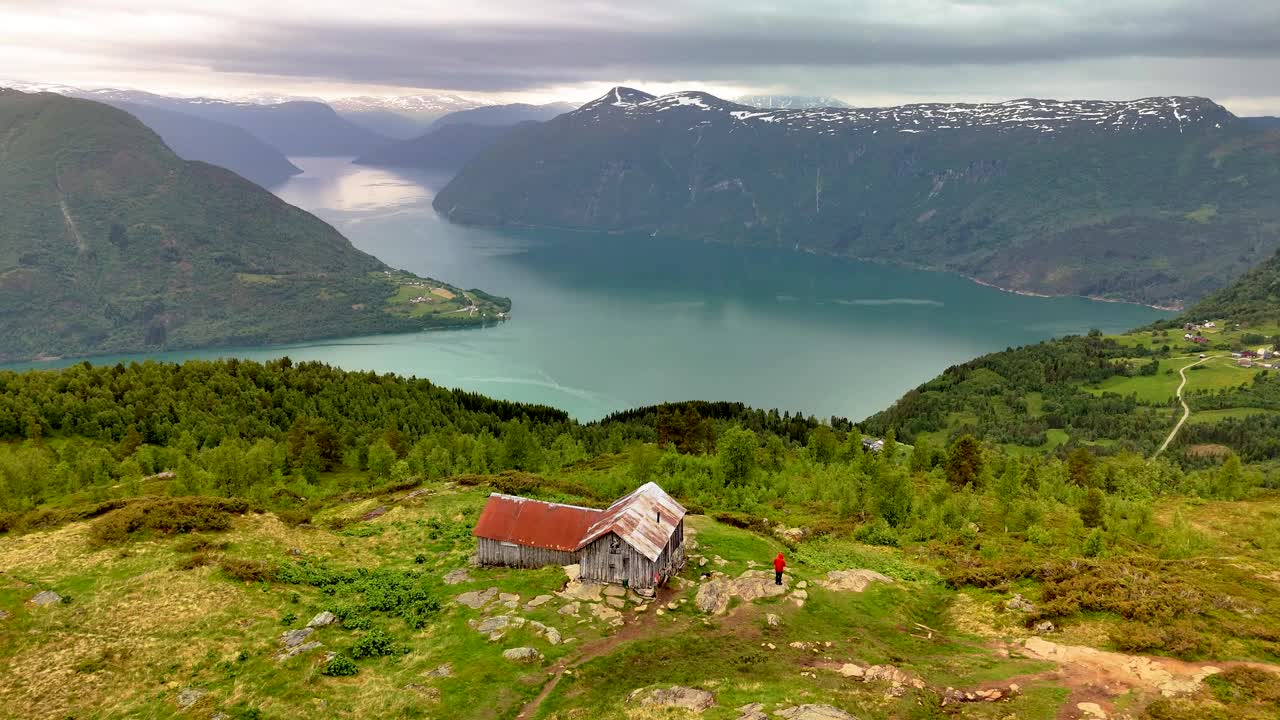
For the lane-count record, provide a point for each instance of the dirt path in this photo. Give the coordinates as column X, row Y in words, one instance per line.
column 1186, row 409
column 641, row 626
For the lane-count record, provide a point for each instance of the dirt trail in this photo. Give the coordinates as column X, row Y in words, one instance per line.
column 1186, row 409
column 640, row 626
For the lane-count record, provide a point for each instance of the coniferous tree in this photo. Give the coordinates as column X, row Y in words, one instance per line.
column 964, row 462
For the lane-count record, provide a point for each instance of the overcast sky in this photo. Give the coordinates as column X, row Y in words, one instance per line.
column 867, row 52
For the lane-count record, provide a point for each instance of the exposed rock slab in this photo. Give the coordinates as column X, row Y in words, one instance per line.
column 190, row 696
column 676, row 696
column 45, row 598
column 814, row 712
column 522, row 655
column 457, row 576
column 477, row 599
column 853, row 580
column 323, row 619
column 586, row 592
column 294, row 638
column 1169, row 677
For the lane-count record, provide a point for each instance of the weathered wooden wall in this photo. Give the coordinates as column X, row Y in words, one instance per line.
column 611, row 560
column 494, row 552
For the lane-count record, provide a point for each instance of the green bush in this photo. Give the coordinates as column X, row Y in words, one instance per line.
column 375, row 643
column 340, row 666
column 1093, row 544
column 289, row 619
column 877, row 533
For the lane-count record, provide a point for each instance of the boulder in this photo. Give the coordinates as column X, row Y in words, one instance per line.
column 754, row 711
column 686, row 698
column 4, row 614
column 849, row 670
column 616, row 603
column 814, row 712
column 456, row 576
column 573, row 572
column 853, row 580
column 323, row 619
column 889, row 674
column 44, row 598
column 615, row 591
column 1019, row 603
column 522, row 655
column 477, row 599
column 537, row 602
column 772, row 619
column 586, row 592
column 1044, row 627
column 713, row 596
column 294, row 638
column 1092, row 711
column 190, row 696
column 571, row 609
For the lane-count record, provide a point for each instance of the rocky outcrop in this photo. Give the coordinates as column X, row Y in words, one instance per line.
column 45, row 598
column 1019, row 603
column 457, row 576
column 323, row 619
column 686, row 698
column 190, row 696
column 714, row 594
column 477, row 599
column 853, row 580
column 814, row 712
column 524, row 655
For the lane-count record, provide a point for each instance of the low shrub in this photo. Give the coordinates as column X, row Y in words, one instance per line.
column 201, row 544
column 877, row 533
column 293, row 518
column 1178, row 639
column 191, row 562
column 166, row 515
column 1246, row 685
column 376, row 643
column 340, row 666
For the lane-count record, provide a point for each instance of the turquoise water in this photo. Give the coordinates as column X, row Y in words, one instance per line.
column 606, row 322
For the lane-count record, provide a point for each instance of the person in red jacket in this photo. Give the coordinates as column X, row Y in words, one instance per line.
column 779, row 564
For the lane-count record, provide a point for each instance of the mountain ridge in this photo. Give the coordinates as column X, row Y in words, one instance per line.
column 1110, row 199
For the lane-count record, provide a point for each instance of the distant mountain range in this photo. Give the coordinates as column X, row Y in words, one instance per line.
column 217, row 143
column 790, row 102
column 112, row 243
column 1158, row 200
column 456, row 138
column 295, row 128
column 401, row 117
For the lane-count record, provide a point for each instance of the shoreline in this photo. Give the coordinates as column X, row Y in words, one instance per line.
column 814, row 251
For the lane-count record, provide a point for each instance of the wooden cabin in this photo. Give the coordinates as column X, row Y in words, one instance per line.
column 637, row 541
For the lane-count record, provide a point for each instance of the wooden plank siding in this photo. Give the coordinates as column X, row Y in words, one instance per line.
column 495, row 552
column 611, row 560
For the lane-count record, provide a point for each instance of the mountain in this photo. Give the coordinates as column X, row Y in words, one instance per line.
column 112, row 243
column 504, row 115
column 1158, row 200
column 299, row 128
column 217, row 143
column 790, row 102
column 446, row 149
column 455, row 139
column 1265, row 123
column 400, row 117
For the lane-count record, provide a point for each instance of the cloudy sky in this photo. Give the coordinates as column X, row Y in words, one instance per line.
column 866, row 52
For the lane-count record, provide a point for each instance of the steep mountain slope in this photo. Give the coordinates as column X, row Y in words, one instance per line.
column 217, row 143
column 1159, row 200
column 1254, row 298
column 446, row 148
column 790, row 102
column 111, row 242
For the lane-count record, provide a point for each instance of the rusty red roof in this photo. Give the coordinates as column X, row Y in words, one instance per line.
column 553, row 526
column 645, row 520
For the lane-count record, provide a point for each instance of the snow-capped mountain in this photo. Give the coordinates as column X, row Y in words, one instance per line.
column 431, row 103
column 1027, row 113
column 790, row 102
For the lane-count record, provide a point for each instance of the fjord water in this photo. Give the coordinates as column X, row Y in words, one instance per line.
column 607, row 322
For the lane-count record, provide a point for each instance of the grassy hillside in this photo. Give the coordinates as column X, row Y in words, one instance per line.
column 111, row 242
column 188, row 516
column 1161, row 213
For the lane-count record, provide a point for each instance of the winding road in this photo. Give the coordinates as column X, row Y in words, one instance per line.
column 1186, row 409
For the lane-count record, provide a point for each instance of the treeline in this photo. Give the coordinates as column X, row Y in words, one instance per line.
column 1017, row 395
